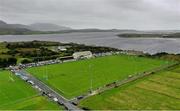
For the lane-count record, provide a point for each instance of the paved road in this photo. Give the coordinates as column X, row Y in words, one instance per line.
column 47, row 90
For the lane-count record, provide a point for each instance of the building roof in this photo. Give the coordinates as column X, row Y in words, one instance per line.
column 83, row 53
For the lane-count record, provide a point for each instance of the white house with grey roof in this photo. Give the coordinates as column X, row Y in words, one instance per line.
column 81, row 55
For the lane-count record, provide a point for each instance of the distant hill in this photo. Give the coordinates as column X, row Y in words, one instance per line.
column 164, row 31
column 149, row 35
column 3, row 24
column 48, row 27
column 20, row 26
column 12, row 28
column 33, row 27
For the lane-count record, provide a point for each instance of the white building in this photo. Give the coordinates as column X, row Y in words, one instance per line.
column 62, row 48
column 81, row 55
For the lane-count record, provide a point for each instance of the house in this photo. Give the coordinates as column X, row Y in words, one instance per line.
column 81, row 55
column 62, row 48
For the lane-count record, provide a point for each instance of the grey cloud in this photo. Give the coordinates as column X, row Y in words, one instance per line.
column 136, row 14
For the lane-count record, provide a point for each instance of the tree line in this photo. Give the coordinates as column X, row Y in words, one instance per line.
column 5, row 62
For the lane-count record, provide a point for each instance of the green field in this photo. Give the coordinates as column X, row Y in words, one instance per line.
column 74, row 78
column 15, row 94
column 159, row 91
column 3, row 48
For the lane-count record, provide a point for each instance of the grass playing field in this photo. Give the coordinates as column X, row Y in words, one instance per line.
column 15, row 94
column 159, row 91
column 74, row 78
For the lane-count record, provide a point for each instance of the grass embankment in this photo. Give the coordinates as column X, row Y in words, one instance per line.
column 15, row 94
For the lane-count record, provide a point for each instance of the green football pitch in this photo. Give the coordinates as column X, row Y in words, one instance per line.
column 160, row 91
column 15, row 94
column 75, row 78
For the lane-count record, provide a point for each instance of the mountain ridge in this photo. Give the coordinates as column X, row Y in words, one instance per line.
column 34, row 27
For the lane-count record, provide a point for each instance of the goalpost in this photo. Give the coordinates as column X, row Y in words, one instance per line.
column 11, row 77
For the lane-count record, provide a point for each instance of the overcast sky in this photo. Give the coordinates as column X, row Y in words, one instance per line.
column 122, row 14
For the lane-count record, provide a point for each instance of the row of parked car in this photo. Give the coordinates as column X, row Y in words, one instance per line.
column 57, row 61
column 24, row 77
column 41, row 63
column 103, row 54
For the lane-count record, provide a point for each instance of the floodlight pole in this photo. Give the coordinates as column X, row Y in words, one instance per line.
column 46, row 68
column 46, row 73
column 91, row 85
column 37, row 56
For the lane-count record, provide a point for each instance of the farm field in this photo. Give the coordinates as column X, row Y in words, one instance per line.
column 3, row 48
column 75, row 78
column 160, row 91
column 15, row 94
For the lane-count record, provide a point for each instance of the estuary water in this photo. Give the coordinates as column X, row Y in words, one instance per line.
column 148, row 45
